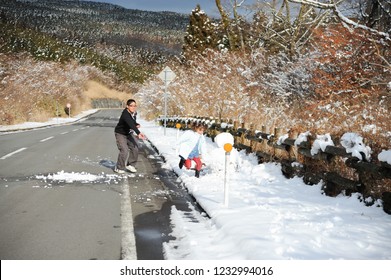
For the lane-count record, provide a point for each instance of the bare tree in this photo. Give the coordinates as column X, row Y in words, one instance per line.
column 224, row 19
column 278, row 27
column 376, row 21
column 233, row 27
column 376, row 14
column 382, row 7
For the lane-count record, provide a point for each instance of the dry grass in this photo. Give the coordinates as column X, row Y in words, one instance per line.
column 235, row 87
column 97, row 90
column 37, row 91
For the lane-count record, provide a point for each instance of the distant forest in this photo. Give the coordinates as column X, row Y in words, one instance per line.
column 104, row 35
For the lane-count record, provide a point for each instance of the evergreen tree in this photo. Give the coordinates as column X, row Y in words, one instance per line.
column 201, row 33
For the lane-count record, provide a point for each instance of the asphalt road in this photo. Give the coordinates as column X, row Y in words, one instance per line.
column 111, row 217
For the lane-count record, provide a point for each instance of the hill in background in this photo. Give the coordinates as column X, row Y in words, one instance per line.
column 72, row 42
column 99, row 23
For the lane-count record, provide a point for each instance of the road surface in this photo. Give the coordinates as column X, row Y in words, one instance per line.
column 50, row 208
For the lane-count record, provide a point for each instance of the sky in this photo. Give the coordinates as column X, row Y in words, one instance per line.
column 252, row 212
column 180, row 6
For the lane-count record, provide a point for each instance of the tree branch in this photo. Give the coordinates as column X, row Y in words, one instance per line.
column 342, row 17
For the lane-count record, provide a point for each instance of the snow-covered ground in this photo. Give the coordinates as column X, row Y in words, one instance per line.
column 256, row 213
column 266, row 215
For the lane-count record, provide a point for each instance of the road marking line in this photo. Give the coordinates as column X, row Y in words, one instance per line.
column 128, row 240
column 46, row 139
column 11, row 154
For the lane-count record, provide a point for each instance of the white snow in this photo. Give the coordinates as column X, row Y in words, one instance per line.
column 321, row 142
column 224, row 138
column 385, row 156
column 302, row 137
column 282, row 138
column 268, row 216
column 83, row 177
column 353, row 143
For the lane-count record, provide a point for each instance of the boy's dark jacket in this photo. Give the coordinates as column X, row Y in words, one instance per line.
column 127, row 123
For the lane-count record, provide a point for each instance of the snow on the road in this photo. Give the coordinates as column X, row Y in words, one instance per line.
column 83, row 177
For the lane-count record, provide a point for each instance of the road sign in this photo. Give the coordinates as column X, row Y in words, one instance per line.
column 167, row 75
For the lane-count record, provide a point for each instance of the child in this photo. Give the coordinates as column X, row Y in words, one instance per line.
column 191, row 147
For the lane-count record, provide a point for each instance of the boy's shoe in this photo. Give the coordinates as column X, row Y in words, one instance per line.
column 197, row 173
column 119, row 171
column 131, row 168
column 181, row 162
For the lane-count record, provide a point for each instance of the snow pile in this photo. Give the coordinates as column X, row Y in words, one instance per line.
column 303, row 137
column 83, row 177
column 268, row 216
column 224, row 138
column 282, row 138
column 69, row 177
column 353, row 143
column 321, row 142
column 385, row 156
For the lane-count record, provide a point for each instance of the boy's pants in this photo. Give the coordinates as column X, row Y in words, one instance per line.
column 197, row 160
column 127, row 146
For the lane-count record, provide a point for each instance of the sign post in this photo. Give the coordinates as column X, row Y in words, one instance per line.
column 227, row 149
column 178, row 126
column 167, row 75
